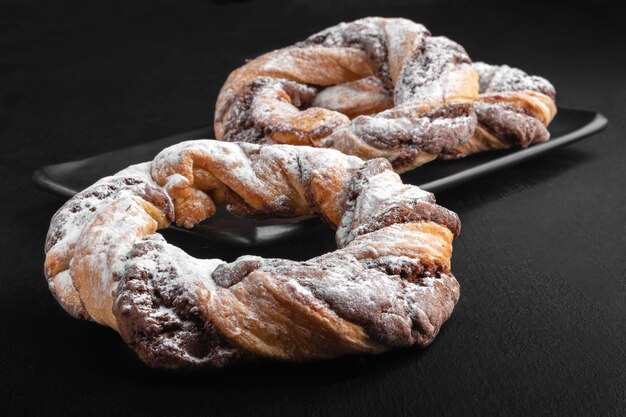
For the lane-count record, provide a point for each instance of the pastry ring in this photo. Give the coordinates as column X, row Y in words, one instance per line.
column 375, row 87
column 388, row 284
column 383, row 87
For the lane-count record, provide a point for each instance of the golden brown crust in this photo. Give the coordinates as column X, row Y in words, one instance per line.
column 371, row 90
column 355, row 98
column 387, row 285
column 389, row 69
column 513, row 109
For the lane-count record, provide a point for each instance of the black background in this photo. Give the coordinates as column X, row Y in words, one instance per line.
column 539, row 329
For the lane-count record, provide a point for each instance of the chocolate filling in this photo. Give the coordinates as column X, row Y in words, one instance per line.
column 510, row 124
column 435, row 131
column 380, row 297
column 412, row 211
column 240, row 126
column 79, row 203
column 160, row 318
column 227, row 275
column 359, row 35
column 426, row 66
column 405, row 212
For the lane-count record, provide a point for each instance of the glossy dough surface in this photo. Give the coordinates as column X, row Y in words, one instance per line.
column 387, row 285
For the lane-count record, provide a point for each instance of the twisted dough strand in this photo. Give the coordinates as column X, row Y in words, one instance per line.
column 383, row 87
column 430, row 80
column 387, row 285
column 513, row 109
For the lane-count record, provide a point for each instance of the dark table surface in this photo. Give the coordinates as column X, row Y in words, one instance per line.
column 540, row 327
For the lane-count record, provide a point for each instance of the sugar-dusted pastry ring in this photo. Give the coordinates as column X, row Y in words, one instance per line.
column 410, row 93
column 383, row 87
column 387, row 285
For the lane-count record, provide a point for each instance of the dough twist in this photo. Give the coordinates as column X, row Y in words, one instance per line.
column 513, row 109
column 383, row 87
column 367, row 65
column 387, row 285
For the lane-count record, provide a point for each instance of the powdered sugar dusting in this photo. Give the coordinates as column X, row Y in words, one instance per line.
column 160, row 298
column 424, row 77
column 384, row 191
column 502, row 78
column 70, row 220
column 424, row 73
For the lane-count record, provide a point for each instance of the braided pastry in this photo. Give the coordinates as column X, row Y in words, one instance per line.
column 430, row 80
column 387, row 285
column 513, row 109
column 383, row 87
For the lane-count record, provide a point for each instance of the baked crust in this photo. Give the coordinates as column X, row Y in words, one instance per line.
column 383, row 87
column 388, row 284
column 375, row 87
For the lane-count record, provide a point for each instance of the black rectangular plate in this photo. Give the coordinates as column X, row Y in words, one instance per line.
column 68, row 178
